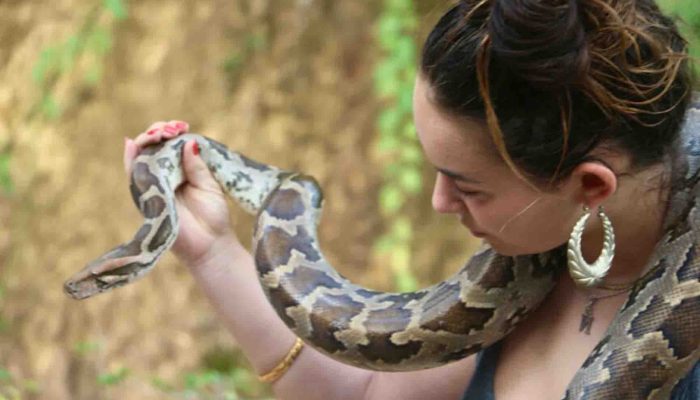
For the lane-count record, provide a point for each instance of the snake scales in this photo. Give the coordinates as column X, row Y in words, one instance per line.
column 650, row 345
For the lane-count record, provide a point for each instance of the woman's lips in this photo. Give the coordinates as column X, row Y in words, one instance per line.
column 473, row 232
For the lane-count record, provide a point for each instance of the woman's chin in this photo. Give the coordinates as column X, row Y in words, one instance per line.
column 503, row 248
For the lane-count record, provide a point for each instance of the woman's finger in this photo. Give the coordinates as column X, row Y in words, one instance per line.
column 130, row 152
column 161, row 130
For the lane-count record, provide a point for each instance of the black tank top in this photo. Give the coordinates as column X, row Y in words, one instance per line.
column 481, row 385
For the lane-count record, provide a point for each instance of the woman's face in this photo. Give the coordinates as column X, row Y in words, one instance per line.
column 476, row 185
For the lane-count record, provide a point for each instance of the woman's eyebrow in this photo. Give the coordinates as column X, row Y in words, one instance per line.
column 456, row 176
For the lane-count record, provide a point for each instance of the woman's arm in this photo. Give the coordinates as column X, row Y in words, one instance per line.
column 229, row 279
column 226, row 272
column 446, row 382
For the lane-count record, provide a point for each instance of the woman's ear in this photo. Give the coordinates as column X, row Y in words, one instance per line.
column 592, row 183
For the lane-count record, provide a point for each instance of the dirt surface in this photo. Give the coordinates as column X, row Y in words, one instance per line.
column 302, row 100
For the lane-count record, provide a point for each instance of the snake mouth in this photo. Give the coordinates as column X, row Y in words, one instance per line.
column 88, row 287
column 78, row 290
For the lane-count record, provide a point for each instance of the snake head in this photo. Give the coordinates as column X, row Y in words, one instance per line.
column 110, row 271
column 82, row 289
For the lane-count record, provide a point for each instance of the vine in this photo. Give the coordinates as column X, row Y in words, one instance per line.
column 393, row 82
column 89, row 44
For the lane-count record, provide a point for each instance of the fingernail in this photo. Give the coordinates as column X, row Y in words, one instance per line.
column 195, row 149
column 170, row 129
column 152, row 131
column 181, row 125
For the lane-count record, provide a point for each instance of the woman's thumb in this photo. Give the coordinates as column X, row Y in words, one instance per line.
column 196, row 171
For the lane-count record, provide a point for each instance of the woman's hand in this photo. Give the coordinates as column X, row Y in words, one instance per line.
column 200, row 202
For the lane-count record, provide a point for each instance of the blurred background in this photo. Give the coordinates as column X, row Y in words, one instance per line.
column 319, row 86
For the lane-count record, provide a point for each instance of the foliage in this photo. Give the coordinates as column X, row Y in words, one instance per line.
column 4, row 323
column 393, row 82
column 687, row 13
column 224, row 374
column 89, row 44
column 113, row 377
column 86, row 347
column 236, row 59
column 6, row 186
column 12, row 388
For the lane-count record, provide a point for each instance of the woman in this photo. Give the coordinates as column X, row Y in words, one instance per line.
column 529, row 111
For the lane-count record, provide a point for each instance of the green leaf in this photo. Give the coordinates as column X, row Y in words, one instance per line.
column 405, row 97
column 32, row 386
column 400, row 258
column 403, row 7
column 86, row 347
column 400, row 263
column 93, row 75
column 256, row 41
column 385, row 244
column 70, row 52
column 5, row 182
column 162, row 385
column 99, row 40
column 389, row 28
column 113, row 378
column 409, row 133
column 386, row 82
column 230, row 395
column 233, row 63
column 404, row 51
column 117, row 8
column 5, row 375
column 46, row 65
column 389, row 143
column 411, row 181
column 406, row 282
column 49, row 107
column 391, row 172
column 390, row 122
column 390, row 199
column 401, row 229
column 202, row 379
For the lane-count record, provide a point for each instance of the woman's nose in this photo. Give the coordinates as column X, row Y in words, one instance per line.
column 445, row 199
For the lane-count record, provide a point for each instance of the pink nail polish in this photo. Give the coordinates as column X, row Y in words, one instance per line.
column 195, row 149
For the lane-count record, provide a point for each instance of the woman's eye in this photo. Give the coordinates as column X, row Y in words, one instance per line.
column 468, row 192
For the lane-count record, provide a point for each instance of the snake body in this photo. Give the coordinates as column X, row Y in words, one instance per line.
column 651, row 344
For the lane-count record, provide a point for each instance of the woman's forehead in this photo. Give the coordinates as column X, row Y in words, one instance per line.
column 451, row 143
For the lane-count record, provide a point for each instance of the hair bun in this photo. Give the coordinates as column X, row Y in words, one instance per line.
column 542, row 41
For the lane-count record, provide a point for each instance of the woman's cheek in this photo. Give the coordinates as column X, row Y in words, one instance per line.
column 483, row 216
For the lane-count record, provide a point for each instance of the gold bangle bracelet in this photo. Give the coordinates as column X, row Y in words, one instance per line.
column 284, row 365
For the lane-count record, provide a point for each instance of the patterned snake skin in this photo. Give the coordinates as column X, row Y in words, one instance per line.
column 651, row 344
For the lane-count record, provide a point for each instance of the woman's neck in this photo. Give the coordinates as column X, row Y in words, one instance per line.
column 637, row 212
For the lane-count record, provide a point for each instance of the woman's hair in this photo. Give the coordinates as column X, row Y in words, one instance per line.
column 554, row 79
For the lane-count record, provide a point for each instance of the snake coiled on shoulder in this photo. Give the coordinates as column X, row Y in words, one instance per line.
column 651, row 344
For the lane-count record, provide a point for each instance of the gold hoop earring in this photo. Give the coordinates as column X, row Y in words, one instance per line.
column 584, row 274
